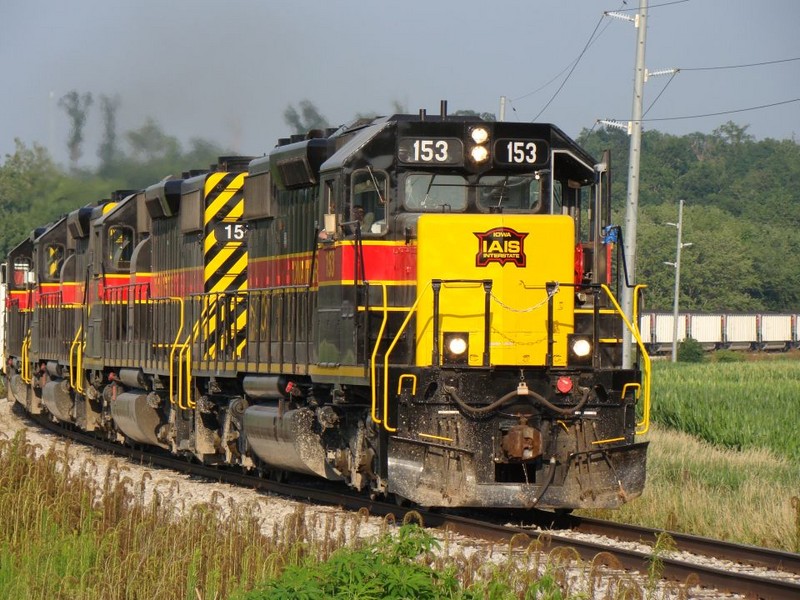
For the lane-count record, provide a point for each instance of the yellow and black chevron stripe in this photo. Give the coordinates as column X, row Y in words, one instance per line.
column 225, row 266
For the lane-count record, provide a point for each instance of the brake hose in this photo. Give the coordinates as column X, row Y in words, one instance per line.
column 484, row 410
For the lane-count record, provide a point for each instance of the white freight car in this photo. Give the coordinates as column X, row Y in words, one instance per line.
column 734, row 331
column 706, row 329
column 741, row 331
column 775, row 332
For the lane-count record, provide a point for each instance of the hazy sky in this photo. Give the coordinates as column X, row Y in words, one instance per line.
column 227, row 70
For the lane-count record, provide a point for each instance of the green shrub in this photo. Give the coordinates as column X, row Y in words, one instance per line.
column 728, row 356
column 387, row 569
column 691, row 351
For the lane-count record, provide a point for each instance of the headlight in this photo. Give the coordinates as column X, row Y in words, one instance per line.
column 479, row 135
column 456, row 348
column 581, row 347
column 479, row 154
column 457, row 345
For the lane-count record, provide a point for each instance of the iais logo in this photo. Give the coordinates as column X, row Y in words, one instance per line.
column 500, row 245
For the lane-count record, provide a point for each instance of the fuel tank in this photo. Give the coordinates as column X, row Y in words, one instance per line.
column 57, row 399
column 136, row 418
column 288, row 440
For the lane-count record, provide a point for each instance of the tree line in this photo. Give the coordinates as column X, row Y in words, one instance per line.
column 741, row 214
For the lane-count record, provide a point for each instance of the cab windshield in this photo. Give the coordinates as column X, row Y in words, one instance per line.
column 434, row 192
column 511, row 193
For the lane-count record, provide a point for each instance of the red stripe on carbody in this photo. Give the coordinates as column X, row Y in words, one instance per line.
column 22, row 299
column 382, row 262
column 177, row 283
column 72, row 293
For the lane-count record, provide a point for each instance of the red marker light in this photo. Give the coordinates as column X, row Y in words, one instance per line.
column 564, row 385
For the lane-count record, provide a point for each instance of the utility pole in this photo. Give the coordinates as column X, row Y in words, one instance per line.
column 632, row 206
column 677, row 265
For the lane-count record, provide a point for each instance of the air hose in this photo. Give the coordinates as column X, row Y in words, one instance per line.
column 520, row 391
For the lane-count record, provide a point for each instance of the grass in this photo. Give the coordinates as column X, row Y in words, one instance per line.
column 695, row 487
column 723, row 457
column 64, row 535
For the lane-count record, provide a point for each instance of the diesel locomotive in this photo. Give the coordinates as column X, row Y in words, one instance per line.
column 420, row 306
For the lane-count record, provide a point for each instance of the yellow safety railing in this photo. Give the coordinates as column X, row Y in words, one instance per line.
column 372, row 378
column 75, row 368
column 185, row 376
column 184, row 350
column 185, row 354
column 173, row 348
column 25, row 371
column 642, row 426
column 396, row 339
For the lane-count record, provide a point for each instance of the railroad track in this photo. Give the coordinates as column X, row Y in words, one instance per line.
column 752, row 571
column 757, row 573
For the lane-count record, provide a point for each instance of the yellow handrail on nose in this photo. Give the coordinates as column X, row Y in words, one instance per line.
column 642, row 426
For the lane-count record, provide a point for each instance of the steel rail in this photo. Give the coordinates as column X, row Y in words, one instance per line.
column 740, row 553
column 744, row 554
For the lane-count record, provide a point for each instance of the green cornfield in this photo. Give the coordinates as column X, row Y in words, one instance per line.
column 738, row 405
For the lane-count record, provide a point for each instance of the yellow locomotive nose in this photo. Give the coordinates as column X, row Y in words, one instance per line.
column 501, row 280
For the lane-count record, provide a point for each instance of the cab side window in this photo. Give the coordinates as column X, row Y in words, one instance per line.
column 21, row 273
column 368, row 200
column 54, row 260
column 120, row 246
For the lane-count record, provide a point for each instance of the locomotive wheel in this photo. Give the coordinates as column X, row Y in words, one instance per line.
column 402, row 502
column 276, row 475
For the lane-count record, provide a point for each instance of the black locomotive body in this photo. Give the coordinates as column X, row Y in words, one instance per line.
column 417, row 306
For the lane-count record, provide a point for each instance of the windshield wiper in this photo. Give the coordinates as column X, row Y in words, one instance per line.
column 375, row 183
column 503, row 191
column 428, row 191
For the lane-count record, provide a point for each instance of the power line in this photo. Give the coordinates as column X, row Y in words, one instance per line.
column 664, row 89
column 742, row 66
column 572, row 64
column 575, row 64
column 654, row 5
column 725, row 112
column 758, row 64
column 539, row 89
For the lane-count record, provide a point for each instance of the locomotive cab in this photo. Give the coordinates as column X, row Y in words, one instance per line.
column 460, row 287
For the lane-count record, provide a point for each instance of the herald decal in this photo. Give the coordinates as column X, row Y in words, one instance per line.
column 501, row 245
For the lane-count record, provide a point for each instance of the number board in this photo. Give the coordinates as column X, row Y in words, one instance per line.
column 230, row 232
column 522, row 153
column 431, row 151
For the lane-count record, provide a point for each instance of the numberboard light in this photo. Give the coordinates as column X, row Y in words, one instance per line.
column 479, row 153
column 479, row 135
